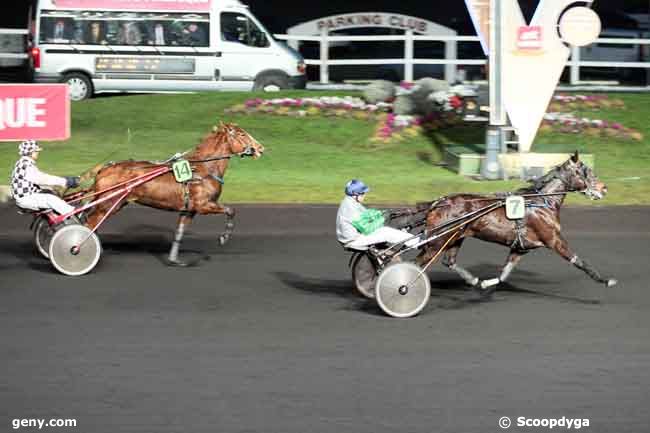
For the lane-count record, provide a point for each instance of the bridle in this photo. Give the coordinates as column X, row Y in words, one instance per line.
column 562, row 174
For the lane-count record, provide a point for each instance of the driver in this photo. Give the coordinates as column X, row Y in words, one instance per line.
column 27, row 182
column 359, row 228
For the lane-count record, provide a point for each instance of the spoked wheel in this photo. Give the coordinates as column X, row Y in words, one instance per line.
column 43, row 233
column 70, row 255
column 402, row 290
column 364, row 274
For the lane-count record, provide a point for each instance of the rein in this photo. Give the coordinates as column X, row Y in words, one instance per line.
column 248, row 152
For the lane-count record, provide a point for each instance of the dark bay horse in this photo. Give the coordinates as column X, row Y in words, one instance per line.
column 539, row 228
column 200, row 195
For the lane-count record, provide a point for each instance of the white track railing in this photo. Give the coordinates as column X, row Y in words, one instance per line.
column 576, row 63
column 450, row 60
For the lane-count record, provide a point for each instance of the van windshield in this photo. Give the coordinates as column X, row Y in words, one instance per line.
column 237, row 27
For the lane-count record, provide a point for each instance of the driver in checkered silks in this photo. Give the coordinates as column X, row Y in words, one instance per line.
column 27, row 182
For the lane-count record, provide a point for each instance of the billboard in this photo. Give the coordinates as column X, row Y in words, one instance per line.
column 34, row 112
column 171, row 5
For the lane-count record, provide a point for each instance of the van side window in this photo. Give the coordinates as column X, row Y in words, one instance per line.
column 58, row 30
column 125, row 28
column 236, row 27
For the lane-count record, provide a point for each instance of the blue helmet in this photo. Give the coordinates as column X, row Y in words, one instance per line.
column 356, row 187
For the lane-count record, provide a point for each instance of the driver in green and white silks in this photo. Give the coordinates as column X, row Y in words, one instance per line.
column 351, row 217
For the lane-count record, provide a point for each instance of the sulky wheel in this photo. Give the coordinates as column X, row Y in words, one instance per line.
column 402, row 290
column 42, row 236
column 364, row 275
column 73, row 252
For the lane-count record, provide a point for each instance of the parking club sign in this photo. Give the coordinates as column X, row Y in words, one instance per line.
column 34, row 112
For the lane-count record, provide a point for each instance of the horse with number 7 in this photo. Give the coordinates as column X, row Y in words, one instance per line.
column 538, row 226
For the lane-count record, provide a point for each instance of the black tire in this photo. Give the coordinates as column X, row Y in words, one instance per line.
column 80, row 86
column 42, row 235
column 365, row 272
column 271, row 83
column 364, row 275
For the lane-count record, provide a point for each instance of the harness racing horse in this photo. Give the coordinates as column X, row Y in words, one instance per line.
column 209, row 161
column 540, row 226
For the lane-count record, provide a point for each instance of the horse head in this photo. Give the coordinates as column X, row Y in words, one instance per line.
column 239, row 141
column 577, row 176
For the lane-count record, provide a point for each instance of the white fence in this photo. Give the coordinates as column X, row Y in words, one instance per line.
column 451, row 60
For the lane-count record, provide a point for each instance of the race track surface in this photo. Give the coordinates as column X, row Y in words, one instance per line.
column 268, row 335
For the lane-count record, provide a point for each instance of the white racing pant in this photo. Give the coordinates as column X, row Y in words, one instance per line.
column 42, row 201
column 383, row 234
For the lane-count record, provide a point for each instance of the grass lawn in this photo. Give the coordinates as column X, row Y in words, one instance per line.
column 310, row 159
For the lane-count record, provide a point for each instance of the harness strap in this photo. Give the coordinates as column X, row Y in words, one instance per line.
column 520, row 235
column 217, row 178
column 186, row 197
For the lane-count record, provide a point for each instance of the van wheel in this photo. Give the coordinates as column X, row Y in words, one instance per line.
column 271, row 83
column 80, row 86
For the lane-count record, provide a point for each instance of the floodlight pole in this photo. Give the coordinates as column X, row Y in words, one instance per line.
column 495, row 137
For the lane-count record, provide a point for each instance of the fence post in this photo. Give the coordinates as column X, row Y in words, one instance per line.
column 451, row 51
column 575, row 67
column 324, row 54
column 408, row 56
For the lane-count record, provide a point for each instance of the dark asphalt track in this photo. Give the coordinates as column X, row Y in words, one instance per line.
column 268, row 335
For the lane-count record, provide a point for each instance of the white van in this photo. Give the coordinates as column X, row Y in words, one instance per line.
column 183, row 45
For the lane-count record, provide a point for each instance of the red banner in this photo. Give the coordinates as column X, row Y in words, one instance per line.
column 167, row 5
column 34, row 112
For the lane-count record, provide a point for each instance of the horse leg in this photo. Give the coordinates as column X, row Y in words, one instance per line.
column 184, row 220
column 230, row 225
column 561, row 246
column 513, row 259
column 211, row 207
column 97, row 213
column 450, row 262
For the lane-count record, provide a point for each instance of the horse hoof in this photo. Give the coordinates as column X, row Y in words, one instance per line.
column 177, row 263
column 223, row 239
column 485, row 284
column 611, row 282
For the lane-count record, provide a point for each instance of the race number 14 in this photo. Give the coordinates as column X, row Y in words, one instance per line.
column 182, row 170
column 515, row 207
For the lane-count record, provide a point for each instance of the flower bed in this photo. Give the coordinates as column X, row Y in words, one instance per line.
column 568, row 123
column 347, row 106
column 393, row 127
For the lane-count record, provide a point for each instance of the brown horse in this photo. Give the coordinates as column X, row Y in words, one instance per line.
column 540, row 226
column 199, row 195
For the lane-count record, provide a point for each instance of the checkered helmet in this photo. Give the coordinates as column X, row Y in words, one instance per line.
column 28, row 147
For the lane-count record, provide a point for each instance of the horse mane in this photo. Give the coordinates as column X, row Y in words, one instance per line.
column 537, row 184
column 211, row 141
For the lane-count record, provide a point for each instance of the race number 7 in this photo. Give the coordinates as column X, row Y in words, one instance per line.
column 515, row 207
